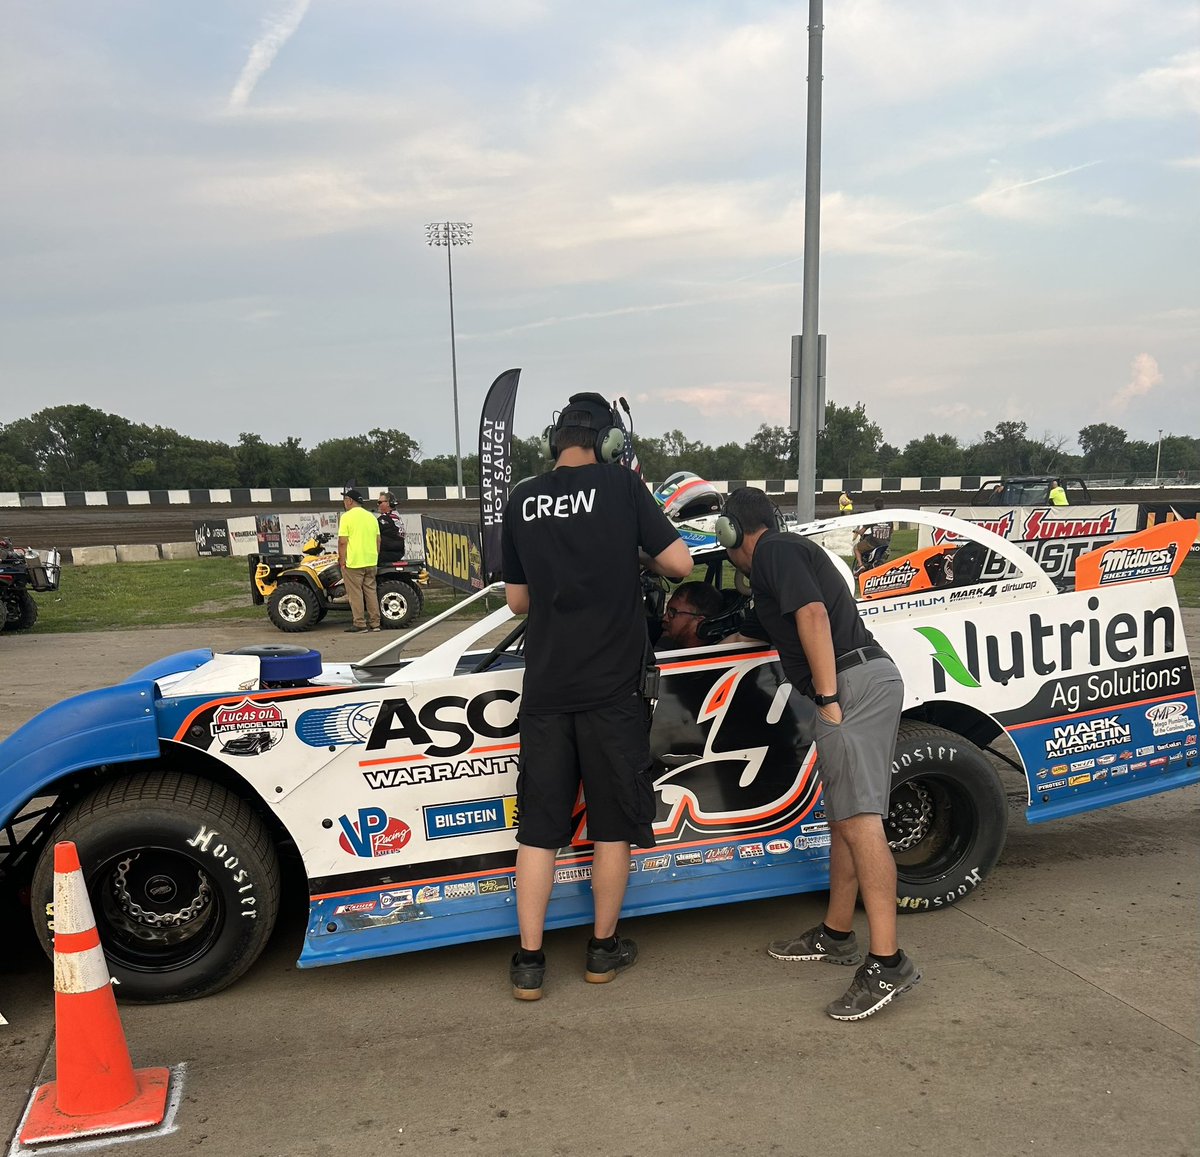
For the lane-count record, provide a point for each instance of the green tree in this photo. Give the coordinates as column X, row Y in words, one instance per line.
column 1104, row 447
column 933, row 455
column 848, row 447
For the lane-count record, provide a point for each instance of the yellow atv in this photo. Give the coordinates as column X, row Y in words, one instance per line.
column 299, row 590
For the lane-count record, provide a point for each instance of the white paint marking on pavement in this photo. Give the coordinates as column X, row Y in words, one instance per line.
column 174, row 1099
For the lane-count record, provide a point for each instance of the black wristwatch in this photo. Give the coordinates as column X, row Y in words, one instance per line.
column 825, row 700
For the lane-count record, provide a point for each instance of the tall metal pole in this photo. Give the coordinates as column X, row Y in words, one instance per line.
column 809, row 402
column 1158, row 458
column 449, row 234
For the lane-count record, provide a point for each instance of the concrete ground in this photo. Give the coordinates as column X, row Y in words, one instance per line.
column 1059, row 1013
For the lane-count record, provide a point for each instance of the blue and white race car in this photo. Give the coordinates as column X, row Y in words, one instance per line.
column 394, row 779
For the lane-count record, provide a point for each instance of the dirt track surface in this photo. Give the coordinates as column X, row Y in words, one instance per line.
column 1059, row 1012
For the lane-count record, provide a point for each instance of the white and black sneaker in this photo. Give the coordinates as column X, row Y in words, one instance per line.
column 816, row 944
column 874, row 986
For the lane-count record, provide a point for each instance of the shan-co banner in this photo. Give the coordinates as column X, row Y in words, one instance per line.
column 452, row 553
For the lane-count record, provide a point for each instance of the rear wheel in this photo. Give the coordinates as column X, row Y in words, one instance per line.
column 293, row 607
column 183, row 881
column 20, row 611
column 947, row 817
column 400, row 602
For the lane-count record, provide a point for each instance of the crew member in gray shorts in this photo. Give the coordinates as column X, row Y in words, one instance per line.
column 807, row 611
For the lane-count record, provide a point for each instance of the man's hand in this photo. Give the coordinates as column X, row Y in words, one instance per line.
column 831, row 713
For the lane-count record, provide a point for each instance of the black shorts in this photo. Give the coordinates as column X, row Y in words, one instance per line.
column 608, row 749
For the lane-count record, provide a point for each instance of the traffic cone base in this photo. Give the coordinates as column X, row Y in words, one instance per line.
column 47, row 1122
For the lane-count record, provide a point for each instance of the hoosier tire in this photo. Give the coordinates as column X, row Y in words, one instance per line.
column 400, row 602
column 183, row 880
column 293, row 607
column 947, row 817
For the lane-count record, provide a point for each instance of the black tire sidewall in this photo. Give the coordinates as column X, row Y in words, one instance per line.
column 934, row 754
column 412, row 597
column 311, row 602
column 104, row 834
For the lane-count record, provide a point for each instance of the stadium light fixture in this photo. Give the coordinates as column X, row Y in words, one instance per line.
column 449, row 234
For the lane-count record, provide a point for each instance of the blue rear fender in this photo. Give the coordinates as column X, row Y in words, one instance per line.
column 112, row 725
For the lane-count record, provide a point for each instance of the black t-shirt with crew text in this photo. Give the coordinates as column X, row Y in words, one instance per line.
column 789, row 572
column 572, row 535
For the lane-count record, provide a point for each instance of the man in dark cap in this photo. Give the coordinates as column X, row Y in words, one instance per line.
column 391, row 530
column 358, row 556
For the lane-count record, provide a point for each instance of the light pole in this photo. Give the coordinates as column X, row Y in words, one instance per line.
column 449, row 234
column 1158, row 458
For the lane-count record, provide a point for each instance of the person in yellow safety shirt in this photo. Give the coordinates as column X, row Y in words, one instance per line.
column 358, row 557
column 1058, row 496
column 845, row 506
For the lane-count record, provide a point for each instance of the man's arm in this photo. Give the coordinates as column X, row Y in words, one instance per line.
column 342, row 541
column 517, row 597
column 675, row 562
column 812, row 625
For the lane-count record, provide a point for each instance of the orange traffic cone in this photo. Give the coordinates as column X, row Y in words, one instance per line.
column 97, row 1089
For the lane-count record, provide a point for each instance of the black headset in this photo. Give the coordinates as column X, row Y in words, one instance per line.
column 729, row 530
column 588, row 412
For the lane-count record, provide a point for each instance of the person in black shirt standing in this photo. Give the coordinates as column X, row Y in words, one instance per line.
column 391, row 530
column 571, row 542
column 805, row 607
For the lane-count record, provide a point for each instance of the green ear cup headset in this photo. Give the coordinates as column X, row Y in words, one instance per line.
column 588, row 412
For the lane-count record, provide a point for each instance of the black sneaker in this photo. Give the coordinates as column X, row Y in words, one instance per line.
column 526, row 979
column 817, row 944
column 604, row 963
column 354, row 630
column 873, row 987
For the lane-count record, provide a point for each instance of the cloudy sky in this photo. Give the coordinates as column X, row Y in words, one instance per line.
column 214, row 210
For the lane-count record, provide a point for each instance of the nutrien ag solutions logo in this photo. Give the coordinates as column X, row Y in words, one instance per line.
column 1049, row 649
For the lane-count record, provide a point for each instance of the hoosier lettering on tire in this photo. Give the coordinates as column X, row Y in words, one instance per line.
column 947, row 817
column 183, row 880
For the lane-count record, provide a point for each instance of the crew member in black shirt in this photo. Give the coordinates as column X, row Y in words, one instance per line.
column 805, row 606
column 391, row 530
column 571, row 563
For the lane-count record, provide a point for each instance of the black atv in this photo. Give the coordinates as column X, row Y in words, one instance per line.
column 22, row 571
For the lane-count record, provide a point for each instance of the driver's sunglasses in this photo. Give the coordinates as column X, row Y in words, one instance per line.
column 672, row 612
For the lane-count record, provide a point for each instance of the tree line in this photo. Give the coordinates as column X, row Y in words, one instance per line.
column 81, row 448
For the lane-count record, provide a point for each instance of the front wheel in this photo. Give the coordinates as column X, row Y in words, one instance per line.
column 947, row 817
column 400, row 602
column 183, row 881
column 293, row 607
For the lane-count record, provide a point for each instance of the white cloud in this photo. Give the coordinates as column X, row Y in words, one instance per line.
column 1145, row 375
column 277, row 32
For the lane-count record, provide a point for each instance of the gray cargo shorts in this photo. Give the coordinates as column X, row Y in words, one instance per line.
column 854, row 757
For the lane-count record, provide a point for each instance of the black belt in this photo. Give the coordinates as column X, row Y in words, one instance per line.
column 862, row 655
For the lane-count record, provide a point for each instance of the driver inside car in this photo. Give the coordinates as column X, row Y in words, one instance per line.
column 689, row 606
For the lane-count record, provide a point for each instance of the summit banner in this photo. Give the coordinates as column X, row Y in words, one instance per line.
column 1055, row 536
column 495, row 466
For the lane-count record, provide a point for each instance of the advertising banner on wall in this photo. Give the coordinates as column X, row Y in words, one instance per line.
column 452, row 553
column 298, row 526
column 1055, row 536
column 243, row 535
column 1154, row 513
column 270, row 541
column 212, row 538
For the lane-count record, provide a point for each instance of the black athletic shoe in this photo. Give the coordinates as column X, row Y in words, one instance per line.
column 354, row 630
column 527, row 979
column 604, row 963
column 874, row 986
column 816, row 944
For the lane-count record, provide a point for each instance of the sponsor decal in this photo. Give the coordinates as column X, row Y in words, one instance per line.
column 491, row 714
column 358, row 906
column 402, row 898
column 495, row 884
column 1106, row 760
column 1123, row 565
column 374, row 833
column 1119, row 769
column 750, row 851
column 1043, row 772
column 1175, row 757
column 1140, row 765
column 718, row 855
column 896, row 578
column 429, row 894
column 442, row 821
column 1147, row 750
column 808, row 829
column 656, row 863
column 1079, row 780
column 248, row 728
column 1045, row 524
column 1189, row 741
column 1159, row 761
column 1170, row 718
column 1172, row 746
column 1059, row 769
column 1044, row 649
column 1125, row 755
column 804, row 843
column 778, row 847
column 459, row 890
column 1076, row 738
column 1082, row 764
column 336, row 726
column 1102, row 773
column 1052, row 785
column 688, row 859
column 409, row 775
column 572, row 875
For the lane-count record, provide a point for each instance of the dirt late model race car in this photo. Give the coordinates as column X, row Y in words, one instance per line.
column 393, row 780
